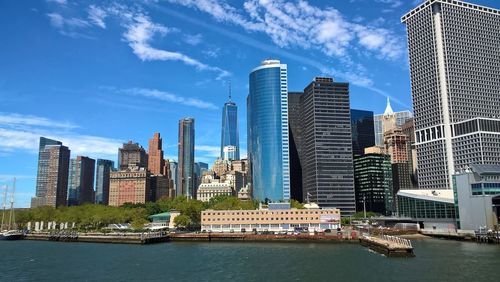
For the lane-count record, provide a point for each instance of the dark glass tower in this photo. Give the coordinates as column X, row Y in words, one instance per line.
column 104, row 167
column 81, row 181
column 327, row 162
column 186, row 178
column 268, row 132
column 363, row 134
column 295, row 133
column 229, row 133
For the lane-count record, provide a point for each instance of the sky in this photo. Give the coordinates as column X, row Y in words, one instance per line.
column 95, row 74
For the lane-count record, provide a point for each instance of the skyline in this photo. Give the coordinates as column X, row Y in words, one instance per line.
column 93, row 79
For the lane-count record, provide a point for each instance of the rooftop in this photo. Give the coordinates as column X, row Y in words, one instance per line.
column 438, row 195
column 463, row 4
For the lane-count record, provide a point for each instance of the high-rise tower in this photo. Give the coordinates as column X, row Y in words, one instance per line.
column 229, row 133
column 81, row 181
column 387, row 121
column 156, row 162
column 455, row 82
column 267, row 121
column 186, row 177
column 103, row 170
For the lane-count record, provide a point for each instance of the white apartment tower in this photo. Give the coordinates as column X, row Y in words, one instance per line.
column 454, row 52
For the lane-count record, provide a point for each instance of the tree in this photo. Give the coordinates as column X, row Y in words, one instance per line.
column 183, row 221
column 296, row 204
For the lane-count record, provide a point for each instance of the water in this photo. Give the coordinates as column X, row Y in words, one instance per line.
column 436, row 260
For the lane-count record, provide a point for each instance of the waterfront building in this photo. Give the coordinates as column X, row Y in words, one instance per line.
column 279, row 219
column 164, row 220
column 295, row 139
column 432, row 209
column 454, row 82
column 81, row 181
column 52, row 176
column 388, row 120
column 229, row 153
column 363, row 131
column 373, row 182
column 327, row 160
column 132, row 154
column 267, row 124
column 477, row 197
column 156, row 162
column 229, row 132
column 186, row 177
column 207, row 191
column 131, row 185
column 103, row 169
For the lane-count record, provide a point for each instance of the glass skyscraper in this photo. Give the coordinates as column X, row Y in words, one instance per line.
column 267, row 124
column 186, row 178
column 104, row 167
column 454, row 67
column 229, row 133
column 81, row 181
column 363, row 134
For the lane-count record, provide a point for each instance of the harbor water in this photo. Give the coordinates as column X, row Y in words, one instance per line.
column 436, row 260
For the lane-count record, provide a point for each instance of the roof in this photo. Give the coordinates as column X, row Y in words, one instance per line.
column 160, row 215
column 437, row 195
column 388, row 108
column 463, row 4
column 486, row 169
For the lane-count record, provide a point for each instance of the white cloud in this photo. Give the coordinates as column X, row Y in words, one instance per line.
column 97, row 16
column 391, row 3
column 168, row 97
column 71, row 27
column 13, row 137
column 193, row 39
column 60, row 2
column 210, row 151
column 303, row 25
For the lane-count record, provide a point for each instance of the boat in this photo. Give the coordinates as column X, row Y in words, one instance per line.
column 11, row 232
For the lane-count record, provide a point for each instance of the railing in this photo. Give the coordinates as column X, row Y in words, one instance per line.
column 397, row 240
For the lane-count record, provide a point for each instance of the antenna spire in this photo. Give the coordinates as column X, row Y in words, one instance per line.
column 229, row 89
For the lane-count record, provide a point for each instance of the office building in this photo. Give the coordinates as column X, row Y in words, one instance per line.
column 388, row 120
column 229, row 132
column 477, row 197
column 160, row 187
column 396, row 145
column 454, row 66
column 186, row 178
column 207, row 191
column 267, row 125
column 132, row 154
column 295, row 139
column 131, row 185
column 229, row 153
column 103, row 169
column 52, row 176
column 408, row 128
column 327, row 160
column 373, row 182
column 274, row 219
column 174, row 174
column 363, row 131
column 156, row 162
column 81, row 181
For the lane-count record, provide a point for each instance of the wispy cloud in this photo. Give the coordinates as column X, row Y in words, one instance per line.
column 13, row 137
column 60, row 2
column 97, row 15
column 391, row 3
column 306, row 26
column 167, row 97
column 72, row 27
column 193, row 39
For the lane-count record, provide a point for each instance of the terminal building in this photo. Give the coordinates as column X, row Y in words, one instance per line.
column 278, row 217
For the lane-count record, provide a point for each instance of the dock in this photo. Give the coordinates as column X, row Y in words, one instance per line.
column 250, row 237
column 118, row 238
column 390, row 246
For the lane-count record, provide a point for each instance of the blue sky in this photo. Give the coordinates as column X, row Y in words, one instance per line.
column 95, row 74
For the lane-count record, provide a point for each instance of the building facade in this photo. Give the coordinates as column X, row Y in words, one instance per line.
column 207, row 191
column 363, row 131
column 455, row 84
column 103, row 170
column 229, row 153
column 156, row 162
column 295, row 139
column 81, row 181
column 477, row 197
column 327, row 160
column 272, row 220
column 388, row 120
column 186, row 177
column 373, row 182
column 267, row 124
column 129, row 186
column 52, row 177
column 132, row 154
column 229, row 132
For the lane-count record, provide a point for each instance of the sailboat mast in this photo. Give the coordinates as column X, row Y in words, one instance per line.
column 11, row 218
column 4, row 203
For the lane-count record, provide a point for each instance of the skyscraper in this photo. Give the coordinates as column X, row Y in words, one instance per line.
column 327, row 160
column 186, row 180
column 229, row 133
column 295, row 137
column 454, row 69
column 388, row 120
column 103, row 169
column 52, row 177
column 132, row 154
column 155, row 155
column 267, row 124
column 363, row 134
column 131, row 185
column 81, row 181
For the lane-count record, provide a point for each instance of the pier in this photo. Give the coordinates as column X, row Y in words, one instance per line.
column 391, row 246
column 119, row 238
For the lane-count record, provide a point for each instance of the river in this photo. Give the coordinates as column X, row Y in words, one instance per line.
column 436, row 260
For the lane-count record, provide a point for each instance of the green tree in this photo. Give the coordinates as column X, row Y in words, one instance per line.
column 296, row 204
column 182, row 221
